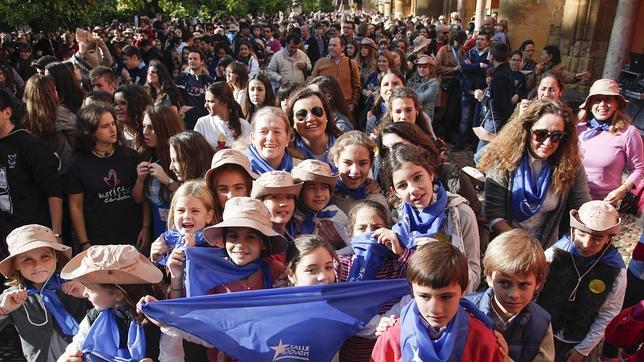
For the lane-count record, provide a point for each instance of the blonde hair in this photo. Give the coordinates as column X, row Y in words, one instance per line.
column 619, row 121
column 353, row 138
column 507, row 149
column 515, row 253
column 197, row 189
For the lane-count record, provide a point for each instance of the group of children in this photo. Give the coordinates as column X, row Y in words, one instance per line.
column 320, row 224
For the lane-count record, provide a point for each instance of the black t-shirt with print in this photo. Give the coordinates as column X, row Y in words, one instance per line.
column 111, row 215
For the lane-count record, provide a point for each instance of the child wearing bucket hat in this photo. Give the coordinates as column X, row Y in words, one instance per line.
column 38, row 302
column 315, row 213
column 115, row 278
column 586, row 282
column 230, row 175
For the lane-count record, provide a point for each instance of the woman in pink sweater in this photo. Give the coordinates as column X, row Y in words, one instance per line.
column 608, row 142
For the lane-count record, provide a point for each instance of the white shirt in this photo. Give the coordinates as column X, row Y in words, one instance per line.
column 218, row 132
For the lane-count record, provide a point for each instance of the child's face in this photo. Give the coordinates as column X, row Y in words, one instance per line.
column 437, row 305
column 590, row 244
column 354, row 163
column 36, row 265
column 413, row 184
column 244, row 245
column 315, row 196
column 314, row 268
column 100, row 297
column 403, row 110
column 175, row 165
column 512, row 292
column 229, row 184
column 281, row 208
column 191, row 215
column 367, row 219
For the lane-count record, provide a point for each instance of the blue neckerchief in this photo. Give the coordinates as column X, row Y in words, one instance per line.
column 207, row 268
column 427, row 223
column 103, row 341
column 594, row 128
column 309, row 322
column 359, row 194
column 611, row 257
column 259, row 165
column 290, row 229
column 308, row 224
column 299, row 142
column 368, row 258
column 68, row 325
column 528, row 194
column 174, row 239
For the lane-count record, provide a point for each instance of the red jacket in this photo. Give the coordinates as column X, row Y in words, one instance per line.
column 627, row 329
column 481, row 345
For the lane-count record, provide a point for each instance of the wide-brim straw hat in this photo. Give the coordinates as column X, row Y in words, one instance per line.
column 425, row 59
column 30, row 237
column 605, row 87
column 111, row 264
column 276, row 183
column 368, row 42
column 229, row 157
column 249, row 213
column 420, row 42
column 315, row 171
column 596, row 217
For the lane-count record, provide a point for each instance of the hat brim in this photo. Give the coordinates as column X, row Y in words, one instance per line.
column 623, row 102
column 575, row 222
column 307, row 176
column 215, row 234
column 6, row 265
column 210, row 173
column 261, row 191
column 143, row 273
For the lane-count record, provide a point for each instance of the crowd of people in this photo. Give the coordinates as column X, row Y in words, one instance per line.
column 145, row 164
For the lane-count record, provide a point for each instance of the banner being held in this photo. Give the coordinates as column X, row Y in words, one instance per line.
column 285, row 324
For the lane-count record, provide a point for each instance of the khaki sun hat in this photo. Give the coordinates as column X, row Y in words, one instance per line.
column 315, row 171
column 605, row 87
column 229, row 157
column 249, row 213
column 30, row 237
column 368, row 42
column 420, row 42
column 276, row 183
column 596, row 216
column 425, row 59
column 111, row 264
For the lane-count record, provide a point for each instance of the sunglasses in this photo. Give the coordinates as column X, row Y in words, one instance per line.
column 540, row 135
column 303, row 113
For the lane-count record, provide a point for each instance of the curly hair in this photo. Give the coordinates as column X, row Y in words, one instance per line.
column 137, row 102
column 506, row 150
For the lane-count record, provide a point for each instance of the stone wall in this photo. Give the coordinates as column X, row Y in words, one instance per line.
column 540, row 21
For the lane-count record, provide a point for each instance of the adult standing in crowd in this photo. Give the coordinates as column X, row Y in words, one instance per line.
column 193, row 84
column 290, row 64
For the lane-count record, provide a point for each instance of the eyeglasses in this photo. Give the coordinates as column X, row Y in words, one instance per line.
column 540, row 135
column 303, row 113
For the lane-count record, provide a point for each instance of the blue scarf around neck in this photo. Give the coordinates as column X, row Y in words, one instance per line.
column 68, row 325
column 528, row 194
column 358, row 194
column 308, row 224
column 259, row 165
column 426, row 223
column 103, row 340
column 207, row 268
column 594, row 128
column 299, row 142
column 368, row 258
column 174, row 239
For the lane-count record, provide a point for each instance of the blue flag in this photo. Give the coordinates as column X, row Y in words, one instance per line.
column 207, row 268
column 284, row 324
column 369, row 257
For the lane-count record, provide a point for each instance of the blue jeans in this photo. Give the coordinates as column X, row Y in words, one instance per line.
column 469, row 117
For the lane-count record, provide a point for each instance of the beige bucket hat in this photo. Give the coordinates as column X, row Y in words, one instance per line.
column 315, row 171
column 605, row 87
column 111, row 264
column 420, row 42
column 250, row 213
column 596, row 216
column 30, row 237
column 276, row 183
column 425, row 59
column 368, row 42
column 229, row 157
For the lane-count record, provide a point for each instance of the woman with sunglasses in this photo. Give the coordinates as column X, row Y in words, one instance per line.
column 534, row 173
column 309, row 114
column 609, row 143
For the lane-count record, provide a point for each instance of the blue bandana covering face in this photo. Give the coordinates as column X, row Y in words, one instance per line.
column 259, row 165
column 207, row 268
column 414, row 224
column 287, row 324
column 528, row 194
column 369, row 257
column 103, row 340
column 174, row 239
column 594, row 128
column 68, row 325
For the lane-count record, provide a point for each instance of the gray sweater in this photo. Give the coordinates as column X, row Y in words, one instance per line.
column 498, row 203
